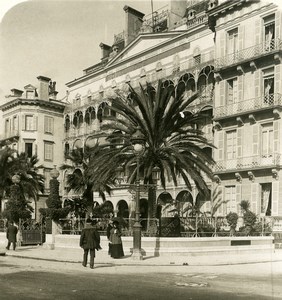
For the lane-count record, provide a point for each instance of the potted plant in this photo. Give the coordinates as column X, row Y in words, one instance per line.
column 232, row 219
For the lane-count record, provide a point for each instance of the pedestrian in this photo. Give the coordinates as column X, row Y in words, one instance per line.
column 11, row 234
column 116, row 242
column 89, row 241
column 110, row 226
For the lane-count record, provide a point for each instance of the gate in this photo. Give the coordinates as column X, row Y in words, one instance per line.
column 32, row 232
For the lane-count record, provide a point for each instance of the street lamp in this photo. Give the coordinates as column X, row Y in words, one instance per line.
column 138, row 142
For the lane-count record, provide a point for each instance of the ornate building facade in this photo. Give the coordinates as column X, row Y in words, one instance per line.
column 247, row 106
column 32, row 122
column 173, row 45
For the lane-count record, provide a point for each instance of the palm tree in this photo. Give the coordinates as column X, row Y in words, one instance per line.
column 172, row 141
column 78, row 179
column 31, row 183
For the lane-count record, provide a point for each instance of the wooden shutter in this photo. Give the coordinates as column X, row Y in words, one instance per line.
column 277, row 81
column 239, row 142
column 240, row 88
column 222, row 87
column 241, row 37
column 219, row 211
column 34, row 122
column 255, row 198
column 258, row 31
column 220, row 145
column 278, row 24
column 275, row 198
column 257, row 85
column 276, row 147
column 221, row 45
column 238, row 197
column 255, row 145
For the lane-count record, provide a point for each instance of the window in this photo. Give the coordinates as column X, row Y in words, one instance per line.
column 48, row 151
column 266, row 189
column 267, row 140
column 232, row 41
column 15, row 125
column 232, row 91
column 231, row 144
column 269, row 32
column 7, row 127
column 268, row 85
column 230, row 198
column 197, row 59
column 28, row 149
column 47, row 178
column 48, row 125
column 28, row 122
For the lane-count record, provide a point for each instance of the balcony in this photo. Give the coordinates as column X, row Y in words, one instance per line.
column 250, row 162
column 251, row 53
column 247, row 106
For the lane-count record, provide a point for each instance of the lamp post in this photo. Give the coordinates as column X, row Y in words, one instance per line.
column 138, row 142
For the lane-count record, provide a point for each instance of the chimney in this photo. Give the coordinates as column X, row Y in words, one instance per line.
column 105, row 50
column 133, row 23
column 43, row 88
column 16, row 93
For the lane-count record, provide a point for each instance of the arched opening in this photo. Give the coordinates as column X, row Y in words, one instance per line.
column 143, row 212
column 123, row 210
column 184, row 201
column 67, row 123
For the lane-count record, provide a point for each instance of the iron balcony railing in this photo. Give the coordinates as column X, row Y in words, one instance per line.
column 248, row 53
column 250, row 162
column 265, row 101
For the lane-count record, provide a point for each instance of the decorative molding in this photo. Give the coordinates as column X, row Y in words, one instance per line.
column 253, row 65
column 238, row 177
column 240, row 69
column 251, row 176
column 277, row 58
column 217, row 76
column 216, row 179
column 275, row 173
column 252, row 118
column 217, row 126
column 239, row 121
column 276, row 113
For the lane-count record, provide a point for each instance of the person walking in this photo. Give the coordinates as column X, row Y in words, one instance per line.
column 11, row 235
column 110, row 226
column 116, row 242
column 89, row 241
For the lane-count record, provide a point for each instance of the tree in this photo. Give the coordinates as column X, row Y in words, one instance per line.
column 79, row 181
column 172, row 141
column 31, row 182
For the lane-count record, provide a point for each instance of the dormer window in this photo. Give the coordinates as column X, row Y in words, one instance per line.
column 191, row 14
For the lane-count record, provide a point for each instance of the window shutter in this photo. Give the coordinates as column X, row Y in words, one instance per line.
column 276, row 136
column 220, row 144
column 241, row 37
column 255, row 139
column 275, row 198
column 277, row 82
column 220, row 53
column 238, row 197
column 34, row 122
column 240, row 88
column 278, row 24
column 258, row 31
column 222, row 92
column 23, row 123
column 257, row 85
column 219, row 203
column 239, row 142
column 255, row 198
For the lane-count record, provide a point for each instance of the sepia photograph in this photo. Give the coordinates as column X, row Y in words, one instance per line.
column 141, row 149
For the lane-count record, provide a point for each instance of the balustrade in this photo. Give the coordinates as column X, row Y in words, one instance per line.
column 265, row 101
column 249, row 162
column 249, row 53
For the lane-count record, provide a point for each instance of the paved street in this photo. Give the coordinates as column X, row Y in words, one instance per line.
column 23, row 278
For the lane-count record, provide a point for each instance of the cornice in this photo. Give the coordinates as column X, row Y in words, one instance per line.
column 33, row 102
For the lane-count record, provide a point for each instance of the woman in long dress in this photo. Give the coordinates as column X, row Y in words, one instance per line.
column 116, row 242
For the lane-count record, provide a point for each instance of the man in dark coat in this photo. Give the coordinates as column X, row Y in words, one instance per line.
column 11, row 235
column 89, row 241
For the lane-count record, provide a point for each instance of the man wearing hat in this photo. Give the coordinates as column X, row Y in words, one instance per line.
column 89, row 241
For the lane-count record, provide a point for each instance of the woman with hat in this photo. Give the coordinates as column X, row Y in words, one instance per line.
column 116, row 243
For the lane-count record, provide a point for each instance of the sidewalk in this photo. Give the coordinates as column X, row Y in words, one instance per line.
column 74, row 255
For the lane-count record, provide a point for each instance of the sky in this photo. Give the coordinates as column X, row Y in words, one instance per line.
column 57, row 38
